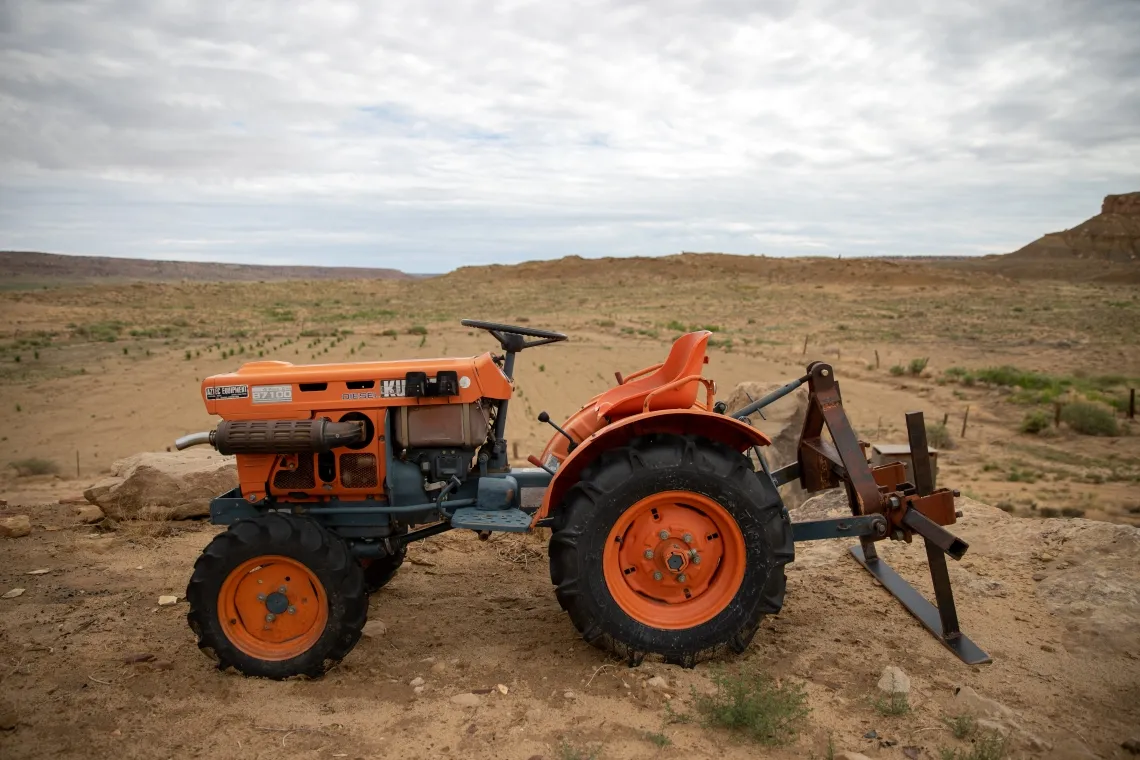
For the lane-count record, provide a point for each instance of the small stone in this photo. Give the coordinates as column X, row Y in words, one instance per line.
column 167, row 600
column 569, row 695
column 894, row 681
column 15, row 527
column 1039, row 576
column 41, row 571
column 439, row 667
column 1132, row 745
column 1047, row 648
column 89, row 513
column 141, row 657
column 502, row 689
column 657, row 682
column 467, row 700
column 534, row 714
column 872, row 734
column 912, row 753
column 73, row 499
column 162, row 665
column 417, row 681
column 966, row 700
column 13, row 593
column 374, row 629
column 851, row 756
column 419, row 689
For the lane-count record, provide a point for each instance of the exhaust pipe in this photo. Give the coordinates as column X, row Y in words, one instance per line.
column 277, row 436
column 194, row 439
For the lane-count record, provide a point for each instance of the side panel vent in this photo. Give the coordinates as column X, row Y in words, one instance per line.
column 298, row 479
column 358, row 470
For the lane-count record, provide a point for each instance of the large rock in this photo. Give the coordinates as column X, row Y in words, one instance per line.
column 783, row 423
column 183, row 483
column 15, row 527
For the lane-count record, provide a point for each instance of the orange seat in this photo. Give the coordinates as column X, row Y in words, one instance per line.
column 685, row 359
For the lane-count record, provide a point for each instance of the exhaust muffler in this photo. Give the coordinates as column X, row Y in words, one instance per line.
column 277, row 436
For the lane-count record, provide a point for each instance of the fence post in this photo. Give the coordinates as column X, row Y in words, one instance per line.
column 965, row 419
column 1056, row 414
column 1132, row 403
column 876, row 358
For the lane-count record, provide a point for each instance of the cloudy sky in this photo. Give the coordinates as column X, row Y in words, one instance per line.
column 426, row 135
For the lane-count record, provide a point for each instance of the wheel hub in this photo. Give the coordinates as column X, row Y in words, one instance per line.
column 674, row 557
column 272, row 607
column 277, row 603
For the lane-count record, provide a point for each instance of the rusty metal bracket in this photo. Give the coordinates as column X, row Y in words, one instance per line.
column 903, row 508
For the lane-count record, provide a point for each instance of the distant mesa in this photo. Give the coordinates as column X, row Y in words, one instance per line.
column 29, row 266
column 1111, row 235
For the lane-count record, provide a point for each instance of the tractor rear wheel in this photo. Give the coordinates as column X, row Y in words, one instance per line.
column 671, row 546
column 277, row 596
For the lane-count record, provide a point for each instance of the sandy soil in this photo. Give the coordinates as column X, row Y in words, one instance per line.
column 468, row 616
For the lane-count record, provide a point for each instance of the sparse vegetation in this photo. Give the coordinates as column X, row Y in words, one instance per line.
column 963, row 726
column 989, row 745
column 753, row 705
column 34, row 466
column 568, row 751
column 895, row 704
column 1072, row 512
column 1089, row 419
column 938, row 436
column 898, row 369
column 1035, row 422
column 916, row 366
column 1049, row 512
column 658, row 738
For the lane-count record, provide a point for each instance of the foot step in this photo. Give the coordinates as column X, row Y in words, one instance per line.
column 507, row 520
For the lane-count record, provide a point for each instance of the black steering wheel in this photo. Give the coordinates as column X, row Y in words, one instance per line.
column 513, row 338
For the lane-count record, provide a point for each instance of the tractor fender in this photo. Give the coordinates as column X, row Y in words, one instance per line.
column 717, row 427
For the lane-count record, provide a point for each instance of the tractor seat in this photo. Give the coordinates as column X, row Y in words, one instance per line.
column 685, row 358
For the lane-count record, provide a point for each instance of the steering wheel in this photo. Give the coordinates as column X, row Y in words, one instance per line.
column 513, row 338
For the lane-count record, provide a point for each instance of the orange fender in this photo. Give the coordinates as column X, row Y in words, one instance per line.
column 717, row 427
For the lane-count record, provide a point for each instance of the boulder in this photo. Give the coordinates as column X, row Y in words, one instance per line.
column 783, row 423
column 15, row 527
column 88, row 514
column 183, row 482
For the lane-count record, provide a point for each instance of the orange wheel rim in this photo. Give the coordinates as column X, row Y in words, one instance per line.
column 674, row 560
column 273, row 607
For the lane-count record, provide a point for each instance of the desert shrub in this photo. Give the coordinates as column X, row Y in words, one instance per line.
column 755, row 706
column 1035, row 422
column 1089, row 419
column 898, row 369
column 417, row 330
column 895, row 704
column 990, row 745
column 916, row 366
column 1072, row 512
column 1049, row 512
column 606, row 323
column 34, row 466
column 963, row 726
column 938, row 436
column 1005, row 506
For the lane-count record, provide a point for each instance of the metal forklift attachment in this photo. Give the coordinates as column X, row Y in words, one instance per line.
column 883, row 504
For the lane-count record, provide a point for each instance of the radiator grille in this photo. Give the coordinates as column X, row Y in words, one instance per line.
column 298, row 479
column 358, row 470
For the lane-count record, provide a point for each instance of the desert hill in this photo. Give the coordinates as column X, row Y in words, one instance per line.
column 1105, row 248
column 32, row 267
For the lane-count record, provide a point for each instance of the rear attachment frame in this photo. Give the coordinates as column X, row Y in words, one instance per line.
column 883, row 504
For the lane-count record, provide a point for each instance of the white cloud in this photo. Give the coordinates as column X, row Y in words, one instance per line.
column 426, row 135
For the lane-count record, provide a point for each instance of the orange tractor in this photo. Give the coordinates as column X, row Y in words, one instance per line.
column 666, row 538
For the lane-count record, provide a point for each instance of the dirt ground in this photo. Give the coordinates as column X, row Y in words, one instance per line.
column 468, row 616
column 110, row 370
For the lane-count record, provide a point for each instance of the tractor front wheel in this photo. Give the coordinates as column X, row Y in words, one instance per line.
column 672, row 546
column 277, row 596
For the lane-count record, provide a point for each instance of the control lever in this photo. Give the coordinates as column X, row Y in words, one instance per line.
column 544, row 418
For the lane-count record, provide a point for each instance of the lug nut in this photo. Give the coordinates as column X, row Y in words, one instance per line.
column 696, row 558
column 657, row 576
column 663, row 535
column 270, row 617
column 292, row 610
column 282, row 589
column 261, row 597
column 649, row 554
column 687, row 538
column 681, row 578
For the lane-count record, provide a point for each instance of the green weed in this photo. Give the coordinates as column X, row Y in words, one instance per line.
column 755, row 706
column 1089, row 419
column 990, row 745
column 568, row 751
column 1035, row 422
column 916, row 366
column 896, row 704
column 898, row 369
column 34, row 465
column 938, row 436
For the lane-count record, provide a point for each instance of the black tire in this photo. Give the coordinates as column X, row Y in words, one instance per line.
column 378, row 572
column 621, row 477
column 302, row 540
